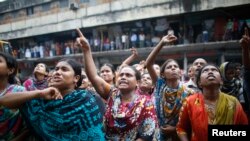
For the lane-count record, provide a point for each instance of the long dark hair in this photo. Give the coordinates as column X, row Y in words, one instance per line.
column 11, row 64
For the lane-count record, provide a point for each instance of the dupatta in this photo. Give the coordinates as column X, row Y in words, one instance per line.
column 77, row 116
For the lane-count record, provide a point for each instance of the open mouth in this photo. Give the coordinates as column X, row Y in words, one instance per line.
column 211, row 77
column 123, row 83
column 56, row 79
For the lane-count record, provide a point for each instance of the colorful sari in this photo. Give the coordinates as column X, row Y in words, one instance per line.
column 149, row 95
column 33, row 84
column 168, row 103
column 76, row 117
column 194, row 116
column 11, row 122
column 129, row 121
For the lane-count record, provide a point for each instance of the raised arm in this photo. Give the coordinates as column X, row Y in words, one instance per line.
column 16, row 100
column 245, row 45
column 152, row 56
column 131, row 58
column 100, row 85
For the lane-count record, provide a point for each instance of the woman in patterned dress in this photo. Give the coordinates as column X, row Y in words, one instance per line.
column 12, row 126
column 74, row 116
column 212, row 107
column 169, row 93
column 39, row 78
column 129, row 116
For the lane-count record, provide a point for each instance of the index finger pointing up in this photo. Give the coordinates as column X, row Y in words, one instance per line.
column 246, row 32
column 79, row 32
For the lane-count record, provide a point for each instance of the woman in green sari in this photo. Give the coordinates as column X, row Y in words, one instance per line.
column 61, row 112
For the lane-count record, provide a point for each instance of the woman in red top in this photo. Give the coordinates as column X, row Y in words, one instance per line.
column 129, row 116
column 212, row 107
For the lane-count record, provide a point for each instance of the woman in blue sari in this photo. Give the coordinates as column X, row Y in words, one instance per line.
column 61, row 112
column 169, row 92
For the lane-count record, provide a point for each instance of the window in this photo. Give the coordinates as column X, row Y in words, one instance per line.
column 15, row 14
column 64, row 3
column 84, row 1
column 30, row 11
column 1, row 17
column 46, row 7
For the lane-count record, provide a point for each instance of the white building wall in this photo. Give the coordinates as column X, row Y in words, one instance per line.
column 114, row 12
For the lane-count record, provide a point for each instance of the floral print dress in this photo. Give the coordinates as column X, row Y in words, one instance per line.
column 129, row 121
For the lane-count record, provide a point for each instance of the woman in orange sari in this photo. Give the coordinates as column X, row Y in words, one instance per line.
column 212, row 107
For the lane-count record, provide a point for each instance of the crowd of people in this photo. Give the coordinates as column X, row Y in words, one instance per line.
column 135, row 102
column 140, row 38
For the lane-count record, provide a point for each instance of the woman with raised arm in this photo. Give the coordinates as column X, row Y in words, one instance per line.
column 169, row 93
column 245, row 45
column 129, row 116
column 75, row 115
column 145, row 85
column 131, row 58
column 211, row 107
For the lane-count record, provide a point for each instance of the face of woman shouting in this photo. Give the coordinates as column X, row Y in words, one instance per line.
column 128, row 78
column 65, row 76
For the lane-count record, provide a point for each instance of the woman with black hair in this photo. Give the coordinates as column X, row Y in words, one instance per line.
column 169, row 91
column 12, row 125
column 107, row 72
column 71, row 114
column 211, row 107
column 231, row 85
column 39, row 78
column 129, row 115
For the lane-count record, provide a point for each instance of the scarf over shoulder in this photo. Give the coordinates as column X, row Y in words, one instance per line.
column 11, row 122
column 77, row 116
column 194, row 117
column 33, row 84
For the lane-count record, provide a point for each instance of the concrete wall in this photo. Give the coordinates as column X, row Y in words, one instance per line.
column 107, row 13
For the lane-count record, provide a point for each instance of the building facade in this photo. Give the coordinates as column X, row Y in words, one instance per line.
column 44, row 30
